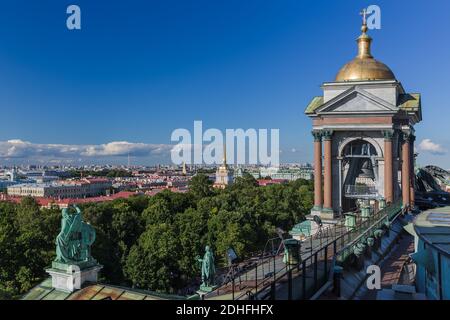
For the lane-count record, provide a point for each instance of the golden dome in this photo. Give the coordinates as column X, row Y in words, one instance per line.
column 364, row 66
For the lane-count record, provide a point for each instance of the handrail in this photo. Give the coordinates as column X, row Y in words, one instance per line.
column 363, row 234
column 258, row 257
column 391, row 212
column 388, row 212
column 396, row 211
column 334, row 238
column 350, row 189
column 287, row 269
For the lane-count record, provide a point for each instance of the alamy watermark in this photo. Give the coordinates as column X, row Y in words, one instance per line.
column 239, row 146
column 73, row 21
column 372, row 16
column 373, row 281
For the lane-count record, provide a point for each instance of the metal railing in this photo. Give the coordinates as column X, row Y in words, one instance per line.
column 228, row 275
column 366, row 227
column 314, row 269
column 353, row 190
column 387, row 214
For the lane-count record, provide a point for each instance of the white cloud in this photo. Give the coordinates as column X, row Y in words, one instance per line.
column 427, row 145
column 123, row 148
column 24, row 149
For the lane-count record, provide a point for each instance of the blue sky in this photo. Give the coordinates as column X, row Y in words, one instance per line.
column 140, row 69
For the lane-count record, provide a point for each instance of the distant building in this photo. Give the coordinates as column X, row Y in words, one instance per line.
column 6, row 183
column 290, row 174
column 239, row 172
column 282, row 173
column 267, row 182
column 60, row 190
column 11, row 178
column 224, row 175
column 66, row 202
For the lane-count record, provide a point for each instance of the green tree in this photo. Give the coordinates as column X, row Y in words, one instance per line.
column 200, row 186
column 158, row 211
column 192, row 228
column 27, row 236
column 152, row 262
column 152, row 242
column 38, row 231
column 246, row 181
column 9, row 250
column 118, row 227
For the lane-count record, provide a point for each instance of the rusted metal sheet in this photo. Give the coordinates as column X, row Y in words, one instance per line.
column 86, row 293
column 108, row 293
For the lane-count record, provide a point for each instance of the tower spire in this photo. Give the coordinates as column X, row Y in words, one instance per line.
column 224, row 154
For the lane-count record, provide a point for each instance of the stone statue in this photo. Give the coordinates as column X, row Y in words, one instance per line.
column 208, row 270
column 73, row 243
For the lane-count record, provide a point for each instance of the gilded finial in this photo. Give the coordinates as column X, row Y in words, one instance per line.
column 364, row 39
column 363, row 13
column 364, row 67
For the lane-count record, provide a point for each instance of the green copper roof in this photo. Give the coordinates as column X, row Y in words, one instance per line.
column 409, row 101
column 314, row 104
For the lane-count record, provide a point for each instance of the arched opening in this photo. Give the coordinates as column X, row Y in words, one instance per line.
column 359, row 169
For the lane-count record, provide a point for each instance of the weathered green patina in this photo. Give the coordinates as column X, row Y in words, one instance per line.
column 365, row 212
column 382, row 203
column 409, row 102
column 378, row 233
column 291, row 252
column 73, row 243
column 314, row 104
column 350, row 220
column 208, row 270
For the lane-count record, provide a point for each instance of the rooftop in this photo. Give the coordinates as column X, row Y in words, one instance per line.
column 433, row 226
column 409, row 102
column 364, row 66
column 44, row 291
column 43, row 202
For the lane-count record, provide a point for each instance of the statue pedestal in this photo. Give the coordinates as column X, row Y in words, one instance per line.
column 326, row 219
column 71, row 277
column 204, row 290
column 326, row 215
column 207, row 289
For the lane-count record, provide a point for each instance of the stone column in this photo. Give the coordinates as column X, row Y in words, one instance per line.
column 412, row 173
column 318, row 196
column 328, row 174
column 406, row 169
column 388, row 167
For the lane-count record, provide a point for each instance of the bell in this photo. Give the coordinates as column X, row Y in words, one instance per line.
column 366, row 170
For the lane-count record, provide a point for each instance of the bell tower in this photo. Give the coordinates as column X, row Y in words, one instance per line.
column 363, row 130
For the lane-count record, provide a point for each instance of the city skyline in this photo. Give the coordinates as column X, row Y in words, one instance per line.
column 121, row 85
